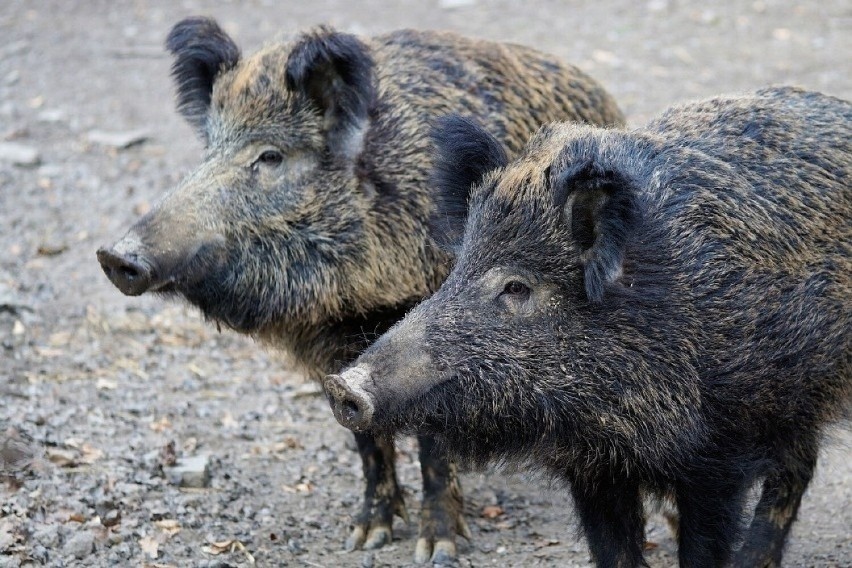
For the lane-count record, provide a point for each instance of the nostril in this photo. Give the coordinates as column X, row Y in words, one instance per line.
column 351, row 409
column 129, row 273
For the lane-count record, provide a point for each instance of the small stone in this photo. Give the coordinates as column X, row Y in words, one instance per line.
column 451, row 4
column 52, row 115
column 10, row 561
column 80, row 545
column 190, row 472
column 119, row 140
column 368, row 560
column 19, row 154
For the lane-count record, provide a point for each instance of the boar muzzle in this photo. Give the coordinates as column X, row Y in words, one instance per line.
column 352, row 405
column 127, row 271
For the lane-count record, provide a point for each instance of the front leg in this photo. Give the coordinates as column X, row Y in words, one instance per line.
column 373, row 527
column 612, row 519
column 441, row 515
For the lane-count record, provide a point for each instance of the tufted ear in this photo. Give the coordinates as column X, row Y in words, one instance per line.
column 464, row 153
column 201, row 50
column 600, row 208
column 336, row 73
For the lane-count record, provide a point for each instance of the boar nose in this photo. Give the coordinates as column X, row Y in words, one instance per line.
column 130, row 273
column 352, row 405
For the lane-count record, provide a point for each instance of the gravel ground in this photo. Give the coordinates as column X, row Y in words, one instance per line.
column 101, row 395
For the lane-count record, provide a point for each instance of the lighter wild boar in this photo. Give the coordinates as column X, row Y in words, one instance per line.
column 306, row 223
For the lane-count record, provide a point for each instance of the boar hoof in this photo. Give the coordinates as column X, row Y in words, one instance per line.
column 442, row 552
column 378, row 537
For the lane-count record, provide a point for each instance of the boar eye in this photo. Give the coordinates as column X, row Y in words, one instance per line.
column 517, row 289
column 270, row 158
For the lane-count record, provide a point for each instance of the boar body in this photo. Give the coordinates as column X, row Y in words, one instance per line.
column 306, row 223
column 664, row 311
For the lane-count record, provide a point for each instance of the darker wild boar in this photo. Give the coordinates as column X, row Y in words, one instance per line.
column 306, row 223
column 665, row 311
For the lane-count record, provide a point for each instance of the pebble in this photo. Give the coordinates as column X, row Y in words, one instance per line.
column 11, row 561
column 19, row 154
column 52, row 115
column 452, row 4
column 80, row 545
column 193, row 471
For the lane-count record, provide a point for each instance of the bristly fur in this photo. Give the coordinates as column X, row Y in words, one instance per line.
column 202, row 51
column 714, row 362
column 464, row 153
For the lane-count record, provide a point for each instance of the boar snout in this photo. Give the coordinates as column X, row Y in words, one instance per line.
column 129, row 271
column 352, row 405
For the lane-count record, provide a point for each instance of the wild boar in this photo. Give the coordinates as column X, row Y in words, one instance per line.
column 306, row 224
column 657, row 312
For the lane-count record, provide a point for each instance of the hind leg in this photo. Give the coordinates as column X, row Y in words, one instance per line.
column 709, row 520
column 441, row 516
column 382, row 495
column 776, row 510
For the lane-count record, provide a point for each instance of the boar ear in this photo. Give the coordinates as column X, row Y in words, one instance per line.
column 202, row 50
column 335, row 72
column 464, row 153
column 600, row 207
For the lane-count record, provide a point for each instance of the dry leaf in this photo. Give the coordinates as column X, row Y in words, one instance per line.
column 169, row 526
column 304, row 487
column 196, row 370
column 150, row 546
column 9, row 536
column 51, row 249
column 229, row 422
column 106, row 384
column 491, row 511
column 49, row 352
column 59, row 339
column 160, row 425
column 90, row 454
column 288, row 443
column 228, row 546
column 62, row 458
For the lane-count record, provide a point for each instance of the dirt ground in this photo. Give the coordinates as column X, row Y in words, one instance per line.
column 106, row 389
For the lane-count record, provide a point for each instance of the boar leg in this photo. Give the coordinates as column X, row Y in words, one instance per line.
column 709, row 519
column 382, row 497
column 441, row 516
column 776, row 510
column 613, row 520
